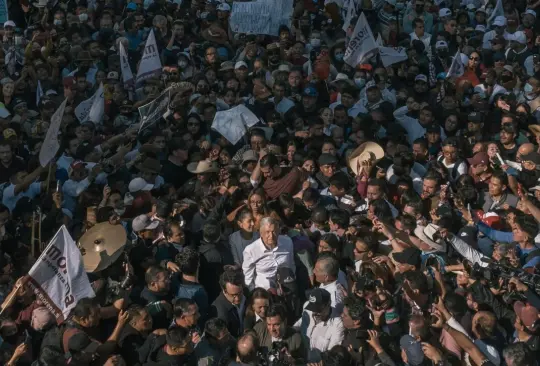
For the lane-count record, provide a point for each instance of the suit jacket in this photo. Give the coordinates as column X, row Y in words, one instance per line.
column 292, row 337
column 223, row 309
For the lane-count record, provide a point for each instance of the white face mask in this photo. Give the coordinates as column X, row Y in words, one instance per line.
column 315, row 42
column 83, row 17
column 360, row 82
column 528, row 88
column 182, row 64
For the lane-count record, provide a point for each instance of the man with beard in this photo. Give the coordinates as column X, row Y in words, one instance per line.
column 134, row 333
column 529, row 174
column 156, row 295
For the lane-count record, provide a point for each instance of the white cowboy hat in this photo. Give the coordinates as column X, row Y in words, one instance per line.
column 367, row 151
column 203, row 166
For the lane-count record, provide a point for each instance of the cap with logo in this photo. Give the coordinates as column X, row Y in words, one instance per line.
column 421, row 77
column 441, row 44
column 475, row 117
column 318, row 300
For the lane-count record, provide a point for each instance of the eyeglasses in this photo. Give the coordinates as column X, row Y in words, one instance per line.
column 234, row 296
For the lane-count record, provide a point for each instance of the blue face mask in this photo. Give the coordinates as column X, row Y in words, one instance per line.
column 528, row 88
column 360, row 82
column 339, row 56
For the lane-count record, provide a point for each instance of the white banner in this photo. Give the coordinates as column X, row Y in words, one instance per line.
column 58, row 277
column 456, row 68
column 97, row 111
column 350, row 15
column 392, row 55
column 151, row 112
column 92, row 108
column 498, row 11
column 261, row 16
column 150, row 63
column 50, row 145
column 233, row 123
column 39, row 93
column 127, row 75
column 362, row 45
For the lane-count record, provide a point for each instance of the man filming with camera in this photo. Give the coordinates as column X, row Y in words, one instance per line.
column 279, row 341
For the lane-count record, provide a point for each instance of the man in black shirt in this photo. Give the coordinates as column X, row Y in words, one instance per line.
column 174, row 171
column 9, row 164
column 156, row 296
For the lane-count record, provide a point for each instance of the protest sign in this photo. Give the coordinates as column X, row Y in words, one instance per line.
column 350, row 14
column 261, row 16
column 392, row 55
column 362, row 45
column 150, row 65
column 151, row 112
column 233, row 123
column 97, row 110
column 127, row 75
column 58, row 277
column 82, row 111
column 50, row 145
column 456, row 68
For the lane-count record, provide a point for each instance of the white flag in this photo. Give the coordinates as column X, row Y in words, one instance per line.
column 498, row 11
column 351, row 14
column 150, row 63
column 97, row 110
column 392, row 55
column 127, row 75
column 379, row 40
column 362, row 44
column 456, row 68
column 82, row 111
column 39, row 93
column 50, row 145
column 58, row 276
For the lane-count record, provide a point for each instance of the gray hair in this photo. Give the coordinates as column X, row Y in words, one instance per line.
column 329, row 264
column 268, row 220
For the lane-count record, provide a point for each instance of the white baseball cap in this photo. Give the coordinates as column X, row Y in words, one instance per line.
column 224, row 7
column 500, row 21
column 9, row 23
column 139, row 184
column 421, row 77
column 240, row 64
column 529, row 11
column 519, row 37
column 445, row 12
column 441, row 44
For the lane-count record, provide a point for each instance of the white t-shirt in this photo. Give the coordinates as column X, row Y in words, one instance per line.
column 10, row 199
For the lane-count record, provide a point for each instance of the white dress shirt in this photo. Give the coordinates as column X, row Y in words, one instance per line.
column 411, row 125
column 261, row 264
column 336, row 295
column 320, row 336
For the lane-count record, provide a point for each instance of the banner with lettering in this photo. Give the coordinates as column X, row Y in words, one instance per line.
column 362, row 45
column 58, row 277
column 50, row 145
column 150, row 65
column 127, row 75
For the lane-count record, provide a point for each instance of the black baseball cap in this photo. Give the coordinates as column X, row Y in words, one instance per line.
column 475, row 117
column 318, row 300
column 327, row 159
column 408, row 256
column 286, row 278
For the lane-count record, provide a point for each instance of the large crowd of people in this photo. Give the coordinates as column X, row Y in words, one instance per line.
column 381, row 211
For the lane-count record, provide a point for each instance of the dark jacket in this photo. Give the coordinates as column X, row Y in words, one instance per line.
column 130, row 341
column 152, row 353
column 195, row 291
column 211, row 267
column 293, row 339
column 223, row 309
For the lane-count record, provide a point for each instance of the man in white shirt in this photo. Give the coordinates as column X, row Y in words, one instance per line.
column 321, row 329
column 79, row 180
column 499, row 29
column 21, row 185
column 263, row 257
column 416, row 127
column 326, row 273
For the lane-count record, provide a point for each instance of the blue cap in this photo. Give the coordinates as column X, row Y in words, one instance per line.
column 131, row 6
column 310, row 91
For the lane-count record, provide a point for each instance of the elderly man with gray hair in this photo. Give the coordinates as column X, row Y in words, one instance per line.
column 263, row 257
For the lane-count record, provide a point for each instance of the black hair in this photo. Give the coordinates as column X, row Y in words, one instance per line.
column 211, row 231
column 188, row 261
column 269, row 160
column 181, row 306
column 340, row 217
column 214, row 327
column 84, row 308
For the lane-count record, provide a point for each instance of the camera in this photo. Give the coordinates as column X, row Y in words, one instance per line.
column 276, row 356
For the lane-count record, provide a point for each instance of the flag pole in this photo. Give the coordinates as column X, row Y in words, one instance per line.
column 10, row 297
column 33, row 237
column 49, row 177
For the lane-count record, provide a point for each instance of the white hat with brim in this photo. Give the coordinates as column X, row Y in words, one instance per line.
column 425, row 233
column 41, row 3
column 139, row 184
column 367, row 151
column 9, row 23
column 203, row 166
column 343, row 78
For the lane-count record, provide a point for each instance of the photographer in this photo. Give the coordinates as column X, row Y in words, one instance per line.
column 279, row 340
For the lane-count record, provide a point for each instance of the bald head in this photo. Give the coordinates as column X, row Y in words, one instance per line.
column 246, row 348
column 524, row 149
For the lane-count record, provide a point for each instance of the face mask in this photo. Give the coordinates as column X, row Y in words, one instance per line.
column 442, row 53
column 58, row 22
column 528, row 88
column 339, row 56
column 83, row 17
column 315, row 42
column 182, row 64
column 360, row 82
